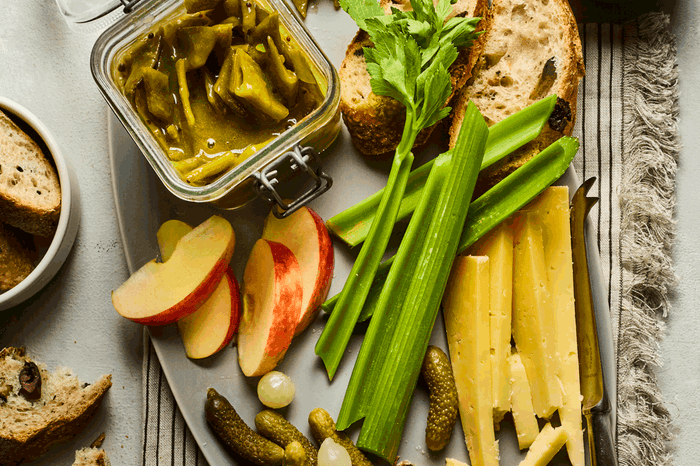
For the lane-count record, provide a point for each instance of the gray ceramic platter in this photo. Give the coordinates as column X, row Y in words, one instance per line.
column 143, row 203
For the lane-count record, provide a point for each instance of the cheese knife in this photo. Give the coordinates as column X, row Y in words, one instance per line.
column 596, row 404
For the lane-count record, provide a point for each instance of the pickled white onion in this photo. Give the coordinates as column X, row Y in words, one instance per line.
column 275, row 390
column 332, row 454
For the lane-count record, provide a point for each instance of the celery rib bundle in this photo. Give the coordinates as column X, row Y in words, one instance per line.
column 386, row 372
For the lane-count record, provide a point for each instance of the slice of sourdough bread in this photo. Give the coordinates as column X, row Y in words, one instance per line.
column 31, row 423
column 30, row 194
column 91, row 457
column 375, row 122
column 531, row 49
column 16, row 256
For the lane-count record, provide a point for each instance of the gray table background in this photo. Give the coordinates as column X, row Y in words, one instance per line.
column 44, row 66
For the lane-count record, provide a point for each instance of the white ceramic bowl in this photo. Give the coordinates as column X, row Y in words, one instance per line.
column 63, row 239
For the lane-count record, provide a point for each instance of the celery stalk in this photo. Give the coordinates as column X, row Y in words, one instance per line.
column 353, row 224
column 494, row 206
column 336, row 334
column 355, row 403
column 411, row 297
column 410, row 65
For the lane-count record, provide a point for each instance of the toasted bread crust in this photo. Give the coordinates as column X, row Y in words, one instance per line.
column 484, row 89
column 61, row 413
column 374, row 122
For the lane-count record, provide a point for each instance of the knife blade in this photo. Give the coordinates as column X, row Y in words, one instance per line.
column 595, row 405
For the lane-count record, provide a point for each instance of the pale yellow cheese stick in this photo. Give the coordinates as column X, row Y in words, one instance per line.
column 454, row 462
column 466, row 313
column 533, row 315
column 498, row 246
column 521, row 403
column 546, row 445
column 552, row 207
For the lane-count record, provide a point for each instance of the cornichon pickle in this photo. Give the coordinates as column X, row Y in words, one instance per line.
column 323, row 427
column 236, row 435
column 444, row 404
column 275, row 427
column 294, row 455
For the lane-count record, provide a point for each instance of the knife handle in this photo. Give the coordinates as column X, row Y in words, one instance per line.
column 601, row 440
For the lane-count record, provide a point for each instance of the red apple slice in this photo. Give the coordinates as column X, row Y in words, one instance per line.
column 305, row 234
column 162, row 293
column 169, row 234
column 211, row 327
column 272, row 295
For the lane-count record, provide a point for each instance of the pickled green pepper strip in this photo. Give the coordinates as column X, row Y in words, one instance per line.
column 494, row 206
column 352, row 225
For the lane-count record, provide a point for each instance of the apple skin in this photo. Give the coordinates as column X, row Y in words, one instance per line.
column 195, row 346
column 198, row 344
column 235, row 309
column 154, row 294
column 272, row 295
column 305, row 234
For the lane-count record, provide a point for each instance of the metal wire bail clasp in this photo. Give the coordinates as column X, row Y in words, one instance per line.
column 299, row 158
column 129, row 5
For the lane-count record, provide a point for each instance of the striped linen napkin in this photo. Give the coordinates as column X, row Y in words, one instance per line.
column 627, row 126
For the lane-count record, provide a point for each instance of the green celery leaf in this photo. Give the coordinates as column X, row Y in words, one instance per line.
column 437, row 90
column 443, row 59
column 393, row 65
column 425, row 11
column 360, row 10
column 442, row 10
column 445, row 56
column 430, row 50
column 460, row 32
column 418, row 29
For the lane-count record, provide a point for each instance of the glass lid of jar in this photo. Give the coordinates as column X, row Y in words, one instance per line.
column 86, row 11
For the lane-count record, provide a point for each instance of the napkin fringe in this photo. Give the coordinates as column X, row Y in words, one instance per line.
column 647, row 200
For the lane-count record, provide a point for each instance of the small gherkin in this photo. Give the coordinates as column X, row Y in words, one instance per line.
column 236, row 434
column 444, row 403
column 294, row 455
column 272, row 425
column 323, row 427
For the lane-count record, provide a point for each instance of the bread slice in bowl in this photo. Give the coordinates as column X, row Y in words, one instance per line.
column 30, row 192
column 34, row 419
column 17, row 256
column 375, row 122
column 530, row 50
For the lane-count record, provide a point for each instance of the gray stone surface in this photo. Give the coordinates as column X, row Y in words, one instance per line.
column 680, row 376
column 44, row 66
